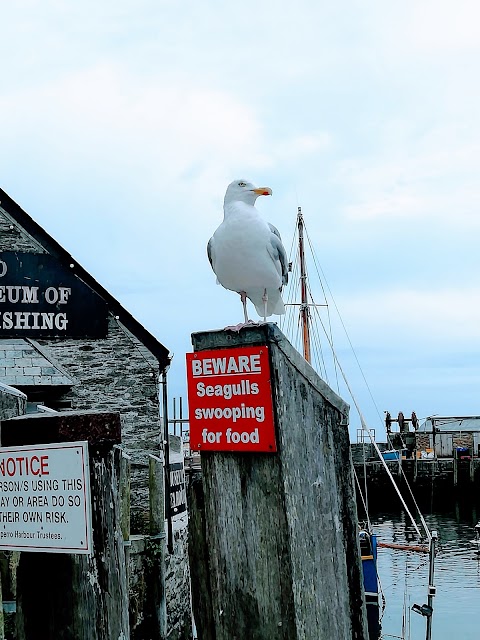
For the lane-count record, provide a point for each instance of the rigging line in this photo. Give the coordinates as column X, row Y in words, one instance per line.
column 320, row 271
column 287, row 323
column 294, row 244
column 372, row 439
column 317, row 312
column 364, row 469
column 295, row 279
column 297, row 335
column 295, row 317
column 384, row 601
column 313, row 328
column 330, row 327
column 326, row 305
column 422, row 519
column 284, row 322
column 318, row 351
column 365, row 508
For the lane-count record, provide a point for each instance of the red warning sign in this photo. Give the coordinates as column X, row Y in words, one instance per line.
column 230, row 400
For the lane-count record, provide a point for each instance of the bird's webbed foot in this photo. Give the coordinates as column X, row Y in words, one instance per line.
column 237, row 327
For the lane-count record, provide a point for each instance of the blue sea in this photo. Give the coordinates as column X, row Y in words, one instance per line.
column 404, row 576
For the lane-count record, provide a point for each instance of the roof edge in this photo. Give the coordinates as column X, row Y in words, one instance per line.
column 55, row 249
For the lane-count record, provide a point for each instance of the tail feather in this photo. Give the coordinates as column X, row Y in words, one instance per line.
column 275, row 304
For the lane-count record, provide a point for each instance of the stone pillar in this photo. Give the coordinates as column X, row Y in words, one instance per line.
column 274, row 549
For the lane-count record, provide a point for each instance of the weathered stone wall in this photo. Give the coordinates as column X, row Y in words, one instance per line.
column 178, row 587
column 463, row 439
column 423, row 441
column 178, row 584
column 13, row 238
column 114, row 374
column 12, row 402
column 117, row 373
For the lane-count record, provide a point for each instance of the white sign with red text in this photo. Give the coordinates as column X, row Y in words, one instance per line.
column 45, row 498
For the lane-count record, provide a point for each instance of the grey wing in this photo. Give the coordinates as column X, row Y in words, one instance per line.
column 274, row 230
column 210, row 251
column 211, row 256
column 277, row 251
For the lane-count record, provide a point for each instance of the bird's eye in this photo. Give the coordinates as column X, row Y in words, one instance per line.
column 242, row 184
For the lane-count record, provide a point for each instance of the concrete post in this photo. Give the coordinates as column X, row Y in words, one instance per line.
column 274, row 548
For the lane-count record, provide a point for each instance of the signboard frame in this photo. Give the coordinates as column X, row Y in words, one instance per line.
column 40, row 297
column 230, row 400
column 45, row 498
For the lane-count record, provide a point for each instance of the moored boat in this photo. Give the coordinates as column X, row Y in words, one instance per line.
column 368, row 553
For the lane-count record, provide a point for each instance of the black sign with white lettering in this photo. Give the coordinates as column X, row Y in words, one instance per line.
column 178, row 497
column 39, row 297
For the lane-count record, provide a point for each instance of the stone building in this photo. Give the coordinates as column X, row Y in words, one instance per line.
column 67, row 344
column 450, row 436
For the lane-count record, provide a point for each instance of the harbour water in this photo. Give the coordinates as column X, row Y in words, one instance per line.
column 404, row 575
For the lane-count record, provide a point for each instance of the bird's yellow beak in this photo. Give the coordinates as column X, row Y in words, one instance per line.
column 262, row 191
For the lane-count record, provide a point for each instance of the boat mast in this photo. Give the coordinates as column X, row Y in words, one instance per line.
column 304, row 310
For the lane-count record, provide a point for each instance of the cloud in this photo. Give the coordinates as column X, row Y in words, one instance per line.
column 409, row 318
column 428, row 176
column 445, row 26
column 103, row 114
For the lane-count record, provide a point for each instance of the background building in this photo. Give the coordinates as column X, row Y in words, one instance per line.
column 67, row 344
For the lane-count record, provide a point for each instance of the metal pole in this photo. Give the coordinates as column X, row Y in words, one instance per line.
column 175, row 416
column 181, row 418
column 166, row 448
column 431, row 586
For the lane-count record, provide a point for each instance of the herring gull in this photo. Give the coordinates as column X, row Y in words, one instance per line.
column 246, row 252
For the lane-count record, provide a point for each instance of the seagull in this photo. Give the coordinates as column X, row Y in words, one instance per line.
column 246, row 252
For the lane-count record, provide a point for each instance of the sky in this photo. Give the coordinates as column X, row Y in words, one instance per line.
column 122, row 123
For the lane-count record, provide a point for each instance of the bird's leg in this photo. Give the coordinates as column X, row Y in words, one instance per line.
column 237, row 327
column 265, row 300
column 243, row 297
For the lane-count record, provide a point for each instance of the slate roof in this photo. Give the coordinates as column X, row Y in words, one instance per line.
column 450, row 423
column 52, row 247
column 24, row 363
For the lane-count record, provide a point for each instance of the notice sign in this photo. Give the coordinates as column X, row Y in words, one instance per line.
column 178, row 492
column 45, row 498
column 230, row 400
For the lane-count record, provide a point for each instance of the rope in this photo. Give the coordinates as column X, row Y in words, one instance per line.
column 321, row 277
column 365, row 508
column 372, row 439
column 329, row 337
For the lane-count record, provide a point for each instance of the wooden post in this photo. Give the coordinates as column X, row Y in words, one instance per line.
column 66, row 596
column 198, row 548
column 275, row 553
column 2, row 628
column 125, row 508
column 156, row 619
